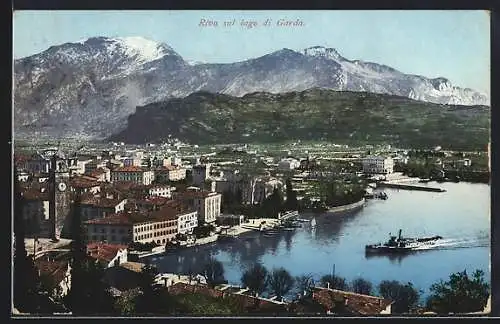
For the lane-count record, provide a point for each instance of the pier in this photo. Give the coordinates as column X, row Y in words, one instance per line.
column 408, row 187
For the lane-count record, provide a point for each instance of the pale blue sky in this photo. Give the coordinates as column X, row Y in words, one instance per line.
column 453, row 44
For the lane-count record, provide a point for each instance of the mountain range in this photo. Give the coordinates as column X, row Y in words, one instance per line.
column 89, row 88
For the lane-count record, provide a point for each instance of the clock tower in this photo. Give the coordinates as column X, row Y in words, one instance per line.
column 60, row 197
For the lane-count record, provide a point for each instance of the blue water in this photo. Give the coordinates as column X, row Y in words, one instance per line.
column 461, row 215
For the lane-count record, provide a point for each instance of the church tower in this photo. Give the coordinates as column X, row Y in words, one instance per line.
column 60, row 197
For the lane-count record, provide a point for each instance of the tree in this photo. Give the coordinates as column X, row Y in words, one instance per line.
column 273, row 204
column 334, row 281
column 280, row 282
column 405, row 297
column 305, row 285
column 25, row 274
column 89, row 295
column 361, row 286
column 255, row 279
column 213, row 272
column 291, row 196
column 460, row 294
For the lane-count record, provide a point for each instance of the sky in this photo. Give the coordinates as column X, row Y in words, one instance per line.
column 454, row 44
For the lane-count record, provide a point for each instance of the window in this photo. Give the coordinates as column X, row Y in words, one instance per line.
column 113, row 230
column 113, row 238
column 94, row 237
column 103, row 238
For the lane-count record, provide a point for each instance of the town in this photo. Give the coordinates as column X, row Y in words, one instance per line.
column 132, row 202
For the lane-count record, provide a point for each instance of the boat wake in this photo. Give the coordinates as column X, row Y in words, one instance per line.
column 455, row 243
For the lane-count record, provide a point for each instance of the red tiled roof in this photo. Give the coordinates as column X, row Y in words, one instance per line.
column 131, row 218
column 358, row 303
column 103, row 251
column 101, row 202
column 129, row 169
column 153, row 201
column 84, row 182
column 124, row 185
column 97, row 172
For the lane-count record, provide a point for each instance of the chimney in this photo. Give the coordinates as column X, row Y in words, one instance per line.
column 346, row 300
column 328, row 285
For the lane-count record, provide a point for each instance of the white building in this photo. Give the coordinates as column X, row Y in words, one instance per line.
column 206, row 203
column 134, row 174
column 187, row 221
column 170, row 173
column 126, row 227
column 160, row 191
column 288, row 164
column 378, row 165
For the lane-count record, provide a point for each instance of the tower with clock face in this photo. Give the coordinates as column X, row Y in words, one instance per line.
column 60, row 197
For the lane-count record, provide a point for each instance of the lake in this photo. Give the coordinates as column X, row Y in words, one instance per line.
column 461, row 215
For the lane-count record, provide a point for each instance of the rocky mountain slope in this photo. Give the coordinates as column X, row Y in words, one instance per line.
column 89, row 88
column 348, row 117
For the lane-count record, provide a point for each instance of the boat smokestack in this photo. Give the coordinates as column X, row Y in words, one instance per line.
column 399, row 234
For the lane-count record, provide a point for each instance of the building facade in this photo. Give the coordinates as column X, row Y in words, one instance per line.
column 127, row 227
column 206, row 203
column 134, row 174
column 378, row 165
column 187, row 222
column 100, row 207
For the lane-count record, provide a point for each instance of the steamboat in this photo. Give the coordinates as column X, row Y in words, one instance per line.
column 401, row 244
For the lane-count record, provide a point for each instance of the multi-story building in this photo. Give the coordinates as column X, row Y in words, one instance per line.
column 134, row 174
column 100, row 207
column 37, row 164
column 170, row 173
column 153, row 190
column 127, row 227
column 187, row 221
column 206, row 203
column 378, row 165
column 102, row 174
column 132, row 161
column 95, row 164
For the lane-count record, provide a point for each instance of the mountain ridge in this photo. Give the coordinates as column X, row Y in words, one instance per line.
column 90, row 87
